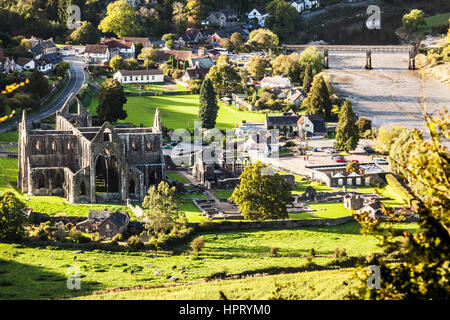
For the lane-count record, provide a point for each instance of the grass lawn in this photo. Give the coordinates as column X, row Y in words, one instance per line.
column 193, row 214
column 154, row 87
column 9, row 136
column 223, row 194
column 176, row 176
column 301, row 187
column 330, row 210
column 301, row 215
column 432, row 21
column 29, row 273
column 178, row 111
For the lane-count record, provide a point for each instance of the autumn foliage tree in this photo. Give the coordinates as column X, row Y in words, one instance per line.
column 262, row 194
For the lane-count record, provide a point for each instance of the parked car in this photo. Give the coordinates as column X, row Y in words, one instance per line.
column 380, row 160
column 369, row 150
column 330, row 150
column 315, row 149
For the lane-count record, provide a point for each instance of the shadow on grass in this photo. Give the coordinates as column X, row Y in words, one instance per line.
column 25, row 282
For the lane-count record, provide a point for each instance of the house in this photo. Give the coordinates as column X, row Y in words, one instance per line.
column 223, row 18
column 134, row 3
column 311, row 125
column 195, row 73
column 226, row 33
column 107, row 223
column 286, row 123
column 353, row 201
column 276, row 82
column 182, row 55
column 7, row 64
column 23, row 64
column 126, row 49
column 299, row 5
column 203, row 62
column 145, row 42
column 44, row 65
column 193, row 35
column 373, row 209
column 259, row 14
column 43, row 48
column 97, row 54
column 295, row 97
column 140, row 76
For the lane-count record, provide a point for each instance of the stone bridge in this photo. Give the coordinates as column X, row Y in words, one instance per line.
column 410, row 49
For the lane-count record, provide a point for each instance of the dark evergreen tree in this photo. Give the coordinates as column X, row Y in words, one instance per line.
column 319, row 98
column 110, row 102
column 39, row 86
column 308, row 79
column 208, row 105
column 347, row 133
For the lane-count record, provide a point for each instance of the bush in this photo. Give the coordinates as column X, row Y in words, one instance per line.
column 273, row 251
column 340, row 253
column 135, row 243
column 198, row 244
column 118, row 237
column 177, row 74
column 312, row 252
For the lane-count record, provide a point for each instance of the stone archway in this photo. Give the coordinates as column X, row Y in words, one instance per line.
column 107, row 174
column 132, row 188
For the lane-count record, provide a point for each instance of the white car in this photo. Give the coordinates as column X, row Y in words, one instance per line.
column 380, row 160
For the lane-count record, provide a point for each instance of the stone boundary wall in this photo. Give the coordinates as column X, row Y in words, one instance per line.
column 274, row 224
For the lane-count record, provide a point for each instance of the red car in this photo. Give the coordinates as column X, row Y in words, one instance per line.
column 340, row 160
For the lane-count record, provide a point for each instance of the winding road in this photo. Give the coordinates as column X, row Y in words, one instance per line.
column 77, row 77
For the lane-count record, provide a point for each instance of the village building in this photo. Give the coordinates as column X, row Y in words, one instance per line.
column 107, row 223
column 223, row 18
column 373, row 209
column 286, row 124
column 181, row 55
column 259, row 14
column 7, row 64
column 311, row 125
column 195, row 73
column 226, row 33
column 24, row 64
column 125, row 49
column 139, row 76
column 276, row 82
column 145, row 42
column 88, row 164
column 98, row 54
column 193, row 35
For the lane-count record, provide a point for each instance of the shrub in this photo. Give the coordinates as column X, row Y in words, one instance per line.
column 118, row 237
column 135, row 243
column 340, row 253
column 177, row 74
column 198, row 244
column 312, row 252
column 273, row 251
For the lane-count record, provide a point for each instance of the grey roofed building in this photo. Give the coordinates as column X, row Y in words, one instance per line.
column 284, row 120
column 107, row 223
column 203, row 62
column 143, row 72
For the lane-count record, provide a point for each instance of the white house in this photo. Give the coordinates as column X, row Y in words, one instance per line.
column 43, row 65
column 302, row 5
column 258, row 14
column 126, row 49
column 276, row 82
column 23, row 64
column 97, row 53
column 139, row 76
column 299, row 5
column 311, row 125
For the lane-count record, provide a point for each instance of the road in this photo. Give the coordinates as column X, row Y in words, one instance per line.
column 342, row 4
column 77, row 77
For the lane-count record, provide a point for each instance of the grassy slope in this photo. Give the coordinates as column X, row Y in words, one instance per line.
column 432, row 21
column 29, row 273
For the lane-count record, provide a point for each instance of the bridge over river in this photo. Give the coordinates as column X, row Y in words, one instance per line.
column 326, row 49
column 388, row 93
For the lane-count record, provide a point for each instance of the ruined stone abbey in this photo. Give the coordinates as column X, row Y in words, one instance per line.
column 88, row 164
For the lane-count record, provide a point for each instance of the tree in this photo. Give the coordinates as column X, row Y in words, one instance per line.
column 85, row 34
column 423, row 270
column 194, row 12
column 385, row 137
column 161, row 212
column 179, row 16
column 262, row 196
column 149, row 55
column 12, row 217
column 364, row 124
column 117, row 63
column 263, row 39
column 38, row 86
column 308, row 78
column 131, row 64
column 400, row 151
column 236, row 40
column 313, row 57
column 347, row 135
column 287, row 66
column 26, row 44
column 318, row 101
column 111, row 100
column 283, row 19
column 257, row 67
column 61, row 68
column 197, row 244
column 120, row 19
column 208, row 108
column 226, row 44
column 414, row 19
column 352, row 166
column 168, row 36
column 224, row 78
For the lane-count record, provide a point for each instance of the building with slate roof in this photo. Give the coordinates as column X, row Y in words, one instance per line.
column 107, row 223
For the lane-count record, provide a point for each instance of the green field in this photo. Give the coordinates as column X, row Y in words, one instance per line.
column 432, row 21
column 330, row 210
column 154, row 87
column 28, row 272
column 178, row 112
column 9, row 136
column 176, row 176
